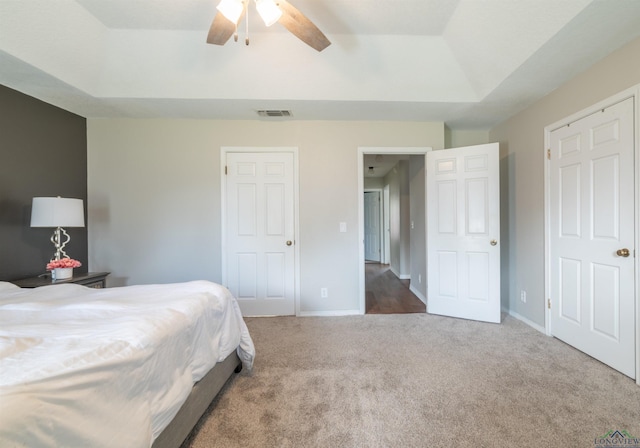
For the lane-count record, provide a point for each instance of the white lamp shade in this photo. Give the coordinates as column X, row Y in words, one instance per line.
column 231, row 9
column 269, row 11
column 57, row 212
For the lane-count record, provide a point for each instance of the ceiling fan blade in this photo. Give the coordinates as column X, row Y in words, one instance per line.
column 221, row 30
column 301, row 27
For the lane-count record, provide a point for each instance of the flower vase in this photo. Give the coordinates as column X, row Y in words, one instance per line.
column 62, row 273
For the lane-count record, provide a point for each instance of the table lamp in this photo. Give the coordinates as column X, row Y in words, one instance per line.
column 57, row 212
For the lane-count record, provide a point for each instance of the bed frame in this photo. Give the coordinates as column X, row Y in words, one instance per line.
column 202, row 394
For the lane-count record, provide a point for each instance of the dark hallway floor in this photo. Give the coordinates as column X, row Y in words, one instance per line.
column 386, row 294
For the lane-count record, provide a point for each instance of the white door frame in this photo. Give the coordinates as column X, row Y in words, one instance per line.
column 385, row 225
column 381, row 236
column 362, row 150
column 634, row 93
column 296, row 190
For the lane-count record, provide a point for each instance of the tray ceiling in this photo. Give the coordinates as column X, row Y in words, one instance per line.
column 468, row 63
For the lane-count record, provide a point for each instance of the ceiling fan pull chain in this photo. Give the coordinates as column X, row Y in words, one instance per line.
column 246, row 39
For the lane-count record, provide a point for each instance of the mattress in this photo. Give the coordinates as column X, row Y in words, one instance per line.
column 108, row 367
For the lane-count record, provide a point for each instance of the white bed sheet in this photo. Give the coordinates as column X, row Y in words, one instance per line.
column 111, row 367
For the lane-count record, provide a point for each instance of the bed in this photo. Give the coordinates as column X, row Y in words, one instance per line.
column 134, row 366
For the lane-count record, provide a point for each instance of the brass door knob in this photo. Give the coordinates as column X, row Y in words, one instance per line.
column 623, row 252
column 493, row 242
column 289, row 243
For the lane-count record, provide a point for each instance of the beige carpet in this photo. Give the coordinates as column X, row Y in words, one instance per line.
column 415, row 381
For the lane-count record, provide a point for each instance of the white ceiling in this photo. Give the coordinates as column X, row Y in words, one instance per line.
column 378, row 165
column 469, row 63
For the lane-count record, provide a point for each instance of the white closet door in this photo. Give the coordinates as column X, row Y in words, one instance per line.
column 260, row 236
column 592, row 236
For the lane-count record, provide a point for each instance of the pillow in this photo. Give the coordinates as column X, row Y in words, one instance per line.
column 6, row 286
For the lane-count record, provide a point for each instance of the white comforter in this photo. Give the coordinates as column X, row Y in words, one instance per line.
column 82, row 367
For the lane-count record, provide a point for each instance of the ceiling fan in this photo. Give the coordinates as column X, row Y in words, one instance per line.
column 225, row 23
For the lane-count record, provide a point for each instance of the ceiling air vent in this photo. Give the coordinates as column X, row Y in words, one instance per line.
column 275, row 113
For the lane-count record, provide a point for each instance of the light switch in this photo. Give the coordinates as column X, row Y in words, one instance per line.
column 343, row 227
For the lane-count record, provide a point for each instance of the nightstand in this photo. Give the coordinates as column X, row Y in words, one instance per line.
column 91, row 280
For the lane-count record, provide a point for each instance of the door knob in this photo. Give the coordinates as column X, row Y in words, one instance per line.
column 493, row 242
column 623, row 252
column 289, row 243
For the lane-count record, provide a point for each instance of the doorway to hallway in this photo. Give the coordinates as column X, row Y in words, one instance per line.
column 387, row 294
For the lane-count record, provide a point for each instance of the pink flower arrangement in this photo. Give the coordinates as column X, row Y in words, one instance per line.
column 63, row 263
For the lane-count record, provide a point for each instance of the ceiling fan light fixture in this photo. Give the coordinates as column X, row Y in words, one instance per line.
column 269, row 11
column 231, row 9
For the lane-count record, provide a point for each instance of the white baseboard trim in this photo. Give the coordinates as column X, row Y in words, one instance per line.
column 399, row 275
column 418, row 294
column 329, row 313
column 532, row 324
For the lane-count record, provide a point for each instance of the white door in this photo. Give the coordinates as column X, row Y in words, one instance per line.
column 372, row 226
column 260, row 255
column 592, row 236
column 463, row 230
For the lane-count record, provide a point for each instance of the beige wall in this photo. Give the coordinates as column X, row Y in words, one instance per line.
column 457, row 138
column 373, row 183
column 417, row 225
column 154, row 190
column 399, row 214
column 522, row 173
column 154, row 197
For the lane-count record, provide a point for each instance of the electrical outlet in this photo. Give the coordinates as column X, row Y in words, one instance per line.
column 523, row 296
column 420, row 278
column 324, row 293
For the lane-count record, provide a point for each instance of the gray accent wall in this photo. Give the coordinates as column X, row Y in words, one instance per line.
column 43, row 152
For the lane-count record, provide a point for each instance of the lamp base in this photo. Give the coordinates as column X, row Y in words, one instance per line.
column 56, row 239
